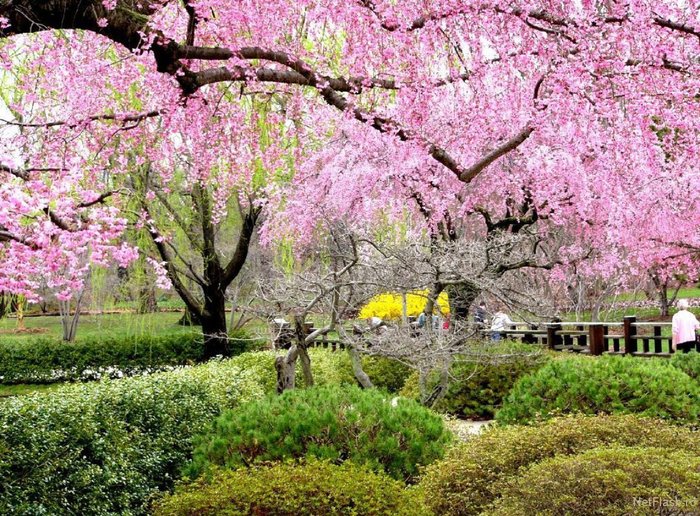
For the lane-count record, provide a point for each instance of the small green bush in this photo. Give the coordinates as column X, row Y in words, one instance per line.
column 689, row 363
column 639, row 481
column 107, row 447
column 336, row 423
column 607, row 384
column 478, row 387
column 468, row 480
column 293, row 489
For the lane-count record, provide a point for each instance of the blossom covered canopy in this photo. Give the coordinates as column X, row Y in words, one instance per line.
column 589, row 108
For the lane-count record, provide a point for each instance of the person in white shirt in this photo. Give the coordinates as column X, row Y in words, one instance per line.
column 683, row 326
column 500, row 323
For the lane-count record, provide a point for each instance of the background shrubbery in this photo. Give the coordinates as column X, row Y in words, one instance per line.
column 607, row 384
column 472, row 475
column 477, row 390
column 50, row 360
column 333, row 423
column 294, row 489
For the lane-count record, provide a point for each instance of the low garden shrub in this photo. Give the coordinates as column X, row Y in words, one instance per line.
column 293, row 489
column 107, row 447
column 45, row 360
column 469, row 478
column 336, row 423
column 477, row 389
column 616, row 480
column 607, row 384
column 689, row 363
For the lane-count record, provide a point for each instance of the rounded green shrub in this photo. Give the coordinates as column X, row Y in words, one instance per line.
column 468, row 479
column 478, row 387
column 607, row 384
column 689, row 363
column 107, row 447
column 639, row 481
column 336, row 423
column 293, row 489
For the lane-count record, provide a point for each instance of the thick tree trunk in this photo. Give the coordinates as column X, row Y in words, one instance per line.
column 214, row 324
column 461, row 299
column 286, row 369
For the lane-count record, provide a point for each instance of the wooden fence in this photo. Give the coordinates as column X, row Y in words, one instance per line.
column 629, row 337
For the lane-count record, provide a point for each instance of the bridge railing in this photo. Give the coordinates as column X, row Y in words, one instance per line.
column 627, row 337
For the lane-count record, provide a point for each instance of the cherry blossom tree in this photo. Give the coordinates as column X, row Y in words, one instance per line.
column 436, row 112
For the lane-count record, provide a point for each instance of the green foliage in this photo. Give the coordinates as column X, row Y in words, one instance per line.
column 606, row 481
column 46, row 360
column 107, row 447
column 293, row 489
column 334, row 423
column 385, row 373
column 689, row 363
column 477, row 389
column 607, row 384
column 469, row 479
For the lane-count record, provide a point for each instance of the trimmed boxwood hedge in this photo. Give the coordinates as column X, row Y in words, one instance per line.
column 469, row 479
column 45, row 360
column 292, row 489
column 607, row 384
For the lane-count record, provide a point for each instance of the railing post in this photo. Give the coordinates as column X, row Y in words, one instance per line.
column 552, row 336
column 596, row 339
column 630, row 333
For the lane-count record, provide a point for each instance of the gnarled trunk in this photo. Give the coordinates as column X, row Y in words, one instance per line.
column 462, row 297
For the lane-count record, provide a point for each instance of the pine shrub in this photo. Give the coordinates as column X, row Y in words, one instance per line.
column 608, row 385
column 334, row 423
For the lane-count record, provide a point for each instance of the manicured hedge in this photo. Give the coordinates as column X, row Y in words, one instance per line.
column 48, row 360
column 607, row 384
column 107, row 447
column 471, row 476
column 639, row 481
column 335, row 423
column 292, row 489
column 478, row 386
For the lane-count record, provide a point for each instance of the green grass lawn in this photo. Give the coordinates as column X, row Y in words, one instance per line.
column 27, row 388
column 95, row 327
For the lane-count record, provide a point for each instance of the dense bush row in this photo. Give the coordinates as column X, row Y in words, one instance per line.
column 106, row 447
column 291, row 489
column 50, row 360
column 608, row 384
column 474, row 474
column 334, row 423
column 478, row 386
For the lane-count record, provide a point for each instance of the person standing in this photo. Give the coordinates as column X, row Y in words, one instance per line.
column 683, row 326
column 500, row 323
column 480, row 314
